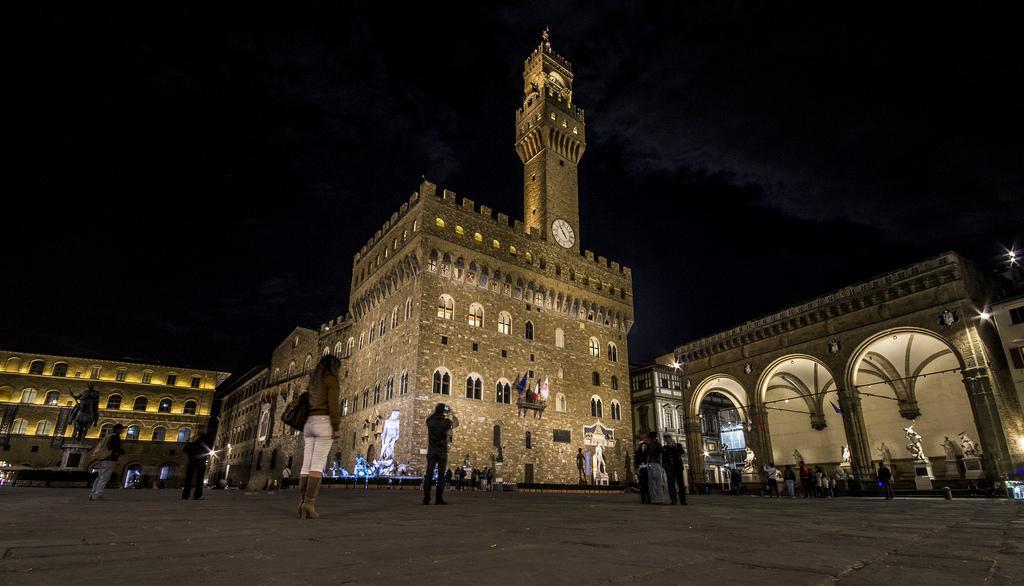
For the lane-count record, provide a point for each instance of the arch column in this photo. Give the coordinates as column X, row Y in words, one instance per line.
column 762, row 437
column 856, row 437
column 995, row 453
column 694, row 452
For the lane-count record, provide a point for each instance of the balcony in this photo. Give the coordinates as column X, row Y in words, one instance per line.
column 526, row 406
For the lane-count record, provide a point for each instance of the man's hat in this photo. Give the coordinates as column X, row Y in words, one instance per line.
column 666, row 434
column 117, row 427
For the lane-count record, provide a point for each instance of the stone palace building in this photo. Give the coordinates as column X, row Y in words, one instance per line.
column 452, row 302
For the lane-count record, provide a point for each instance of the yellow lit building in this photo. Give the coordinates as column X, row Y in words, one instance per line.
column 161, row 407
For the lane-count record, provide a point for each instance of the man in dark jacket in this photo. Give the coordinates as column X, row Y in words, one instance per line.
column 579, row 465
column 642, row 459
column 197, row 451
column 439, row 433
column 672, row 462
column 885, row 477
column 108, row 450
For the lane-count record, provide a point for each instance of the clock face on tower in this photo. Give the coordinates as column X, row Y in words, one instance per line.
column 563, row 233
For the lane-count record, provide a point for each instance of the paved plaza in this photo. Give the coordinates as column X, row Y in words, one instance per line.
column 381, row 536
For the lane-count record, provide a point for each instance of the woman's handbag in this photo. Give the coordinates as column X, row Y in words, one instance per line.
column 297, row 412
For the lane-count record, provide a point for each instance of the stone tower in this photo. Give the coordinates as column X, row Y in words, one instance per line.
column 550, row 139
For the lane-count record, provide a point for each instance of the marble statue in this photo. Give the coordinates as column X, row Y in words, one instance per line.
column 967, row 445
column 599, row 459
column 886, row 454
column 914, row 443
column 388, row 437
column 845, row 451
column 748, row 463
column 798, row 457
column 952, row 449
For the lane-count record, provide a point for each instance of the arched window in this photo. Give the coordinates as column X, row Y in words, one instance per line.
column 140, row 404
column 36, row 367
column 513, row 250
column 19, row 427
column 439, row 222
column 408, row 308
column 528, row 257
column 474, row 387
column 28, row 396
column 613, row 352
column 442, row 382
column 344, row 407
column 308, row 364
column 339, row 350
column 328, row 350
column 159, row 433
column 389, row 388
column 559, row 338
column 291, row 368
column 596, row 408
column 366, row 398
column 52, row 398
column 133, row 432
column 528, row 330
column 394, row 317
column 503, row 392
column 164, row 406
column 504, row 323
column 382, row 329
column 595, row 378
column 114, row 402
column 349, row 347
column 478, row 237
column 476, row 315
column 432, row 261
column 190, row 407
column 184, row 434
column 167, row 472
column 560, row 403
column 666, row 416
column 403, row 386
column 595, row 347
column 376, row 393
column 616, row 410
column 445, row 307
column 60, row 369
column 44, row 428
column 105, row 429
column 615, row 383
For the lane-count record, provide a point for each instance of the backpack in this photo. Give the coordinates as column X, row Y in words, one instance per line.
column 100, row 451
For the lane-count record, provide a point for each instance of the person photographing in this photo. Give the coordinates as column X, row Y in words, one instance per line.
column 439, row 434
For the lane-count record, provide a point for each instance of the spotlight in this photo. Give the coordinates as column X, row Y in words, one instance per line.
column 984, row 315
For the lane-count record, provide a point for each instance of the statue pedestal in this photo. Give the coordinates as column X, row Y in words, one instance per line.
column 75, row 456
column 498, row 480
column 923, row 475
column 601, row 479
column 751, row 478
column 972, row 468
column 952, row 469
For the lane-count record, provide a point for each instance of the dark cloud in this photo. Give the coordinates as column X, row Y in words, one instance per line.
column 192, row 183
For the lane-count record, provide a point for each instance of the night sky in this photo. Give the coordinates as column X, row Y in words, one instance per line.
column 185, row 185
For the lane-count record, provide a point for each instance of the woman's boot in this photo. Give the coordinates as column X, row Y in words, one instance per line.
column 308, row 508
column 303, row 480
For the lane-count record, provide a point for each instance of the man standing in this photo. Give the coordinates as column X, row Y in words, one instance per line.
column 439, row 434
column 197, row 451
column 790, row 478
column 460, row 478
column 286, row 473
column 108, row 450
column 885, row 478
column 806, row 480
column 579, row 465
column 672, row 462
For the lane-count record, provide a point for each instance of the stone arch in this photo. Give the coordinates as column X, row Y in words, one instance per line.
column 797, row 395
column 723, row 384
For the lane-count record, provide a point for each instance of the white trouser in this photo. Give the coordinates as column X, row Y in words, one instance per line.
column 104, row 468
column 317, row 440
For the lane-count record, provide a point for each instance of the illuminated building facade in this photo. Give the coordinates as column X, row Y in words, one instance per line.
column 161, row 408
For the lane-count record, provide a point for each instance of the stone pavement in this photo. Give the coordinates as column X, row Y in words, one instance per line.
column 380, row 536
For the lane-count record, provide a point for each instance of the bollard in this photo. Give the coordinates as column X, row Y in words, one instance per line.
column 949, row 493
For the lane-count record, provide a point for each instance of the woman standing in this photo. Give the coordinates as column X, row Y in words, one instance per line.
column 320, row 431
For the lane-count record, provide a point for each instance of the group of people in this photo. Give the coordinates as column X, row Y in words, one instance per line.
column 110, row 449
column 660, row 471
column 810, row 483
